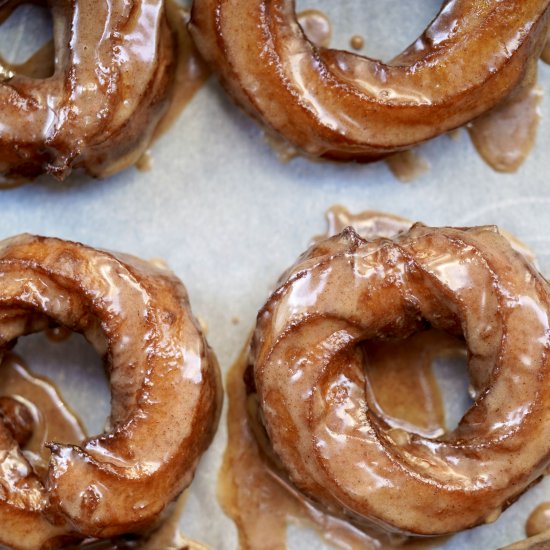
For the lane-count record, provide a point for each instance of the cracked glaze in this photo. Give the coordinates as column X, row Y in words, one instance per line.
column 309, row 374
column 345, row 106
column 165, row 390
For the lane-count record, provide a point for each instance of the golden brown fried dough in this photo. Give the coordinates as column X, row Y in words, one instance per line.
column 309, row 373
column 110, row 87
column 343, row 106
column 165, row 388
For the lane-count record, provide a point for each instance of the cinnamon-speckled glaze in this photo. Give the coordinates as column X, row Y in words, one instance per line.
column 340, row 105
column 113, row 71
column 165, row 389
column 309, row 374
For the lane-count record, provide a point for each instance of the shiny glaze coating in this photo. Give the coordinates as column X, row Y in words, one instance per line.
column 17, row 418
column 538, row 542
column 309, row 374
column 165, row 389
column 113, row 65
column 343, row 106
column 538, row 521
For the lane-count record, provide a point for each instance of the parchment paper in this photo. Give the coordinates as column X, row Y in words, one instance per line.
column 229, row 217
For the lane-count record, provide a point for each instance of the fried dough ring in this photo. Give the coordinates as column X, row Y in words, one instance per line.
column 343, row 106
column 99, row 109
column 309, row 374
column 165, row 389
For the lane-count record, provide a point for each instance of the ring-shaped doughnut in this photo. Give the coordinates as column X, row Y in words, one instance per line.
column 343, row 106
column 165, row 391
column 98, row 111
column 309, row 372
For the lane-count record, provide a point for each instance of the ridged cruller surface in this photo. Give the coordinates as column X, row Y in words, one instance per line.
column 114, row 65
column 309, row 374
column 343, row 106
column 165, row 392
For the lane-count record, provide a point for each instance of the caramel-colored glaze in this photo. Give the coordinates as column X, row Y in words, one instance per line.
column 253, row 490
column 539, row 520
column 540, row 542
column 257, row 498
column 328, row 437
column 372, row 224
column 50, row 420
column 57, row 334
column 401, row 386
column 407, row 165
column 454, row 134
column 188, row 75
column 110, row 87
column 537, row 529
column 169, row 536
column 145, row 162
column 17, row 418
column 344, row 106
column 53, row 419
column 39, row 65
column 160, row 368
column 284, row 150
column 316, row 26
column 357, row 42
column 190, row 72
column 262, row 502
column 505, row 136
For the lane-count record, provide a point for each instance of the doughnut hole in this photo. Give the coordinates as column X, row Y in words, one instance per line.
column 26, row 41
column 419, row 384
column 387, row 27
column 75, row 369
column 53, row 389
column 451, row 375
